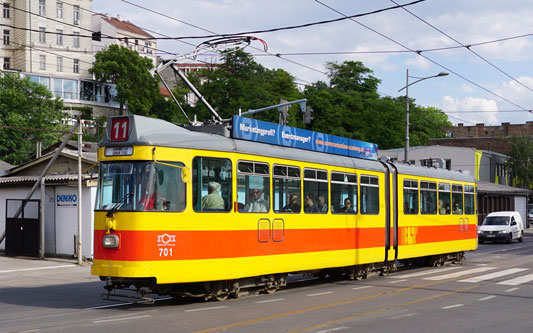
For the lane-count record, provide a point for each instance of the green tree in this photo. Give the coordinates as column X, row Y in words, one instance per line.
column 521, row 160
column 241, row 83
column 350, row 106
column 28, row 114
column 130, row 72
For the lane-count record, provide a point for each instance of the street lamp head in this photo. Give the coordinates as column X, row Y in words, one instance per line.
column 443, row 74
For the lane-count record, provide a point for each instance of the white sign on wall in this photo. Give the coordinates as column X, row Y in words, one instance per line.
column 67, row 200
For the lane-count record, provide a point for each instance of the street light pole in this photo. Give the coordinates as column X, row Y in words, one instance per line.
column 407, row 84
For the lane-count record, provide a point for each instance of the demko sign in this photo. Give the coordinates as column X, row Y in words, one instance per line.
column 262, row 131
column 67, row 200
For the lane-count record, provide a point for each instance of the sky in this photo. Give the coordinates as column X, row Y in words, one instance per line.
column 486, row 46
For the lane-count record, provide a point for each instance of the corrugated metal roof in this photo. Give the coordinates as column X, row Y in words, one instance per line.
column 488, row 188
column 48, row 178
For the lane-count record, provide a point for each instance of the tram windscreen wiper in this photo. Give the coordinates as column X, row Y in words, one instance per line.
column 119, row 204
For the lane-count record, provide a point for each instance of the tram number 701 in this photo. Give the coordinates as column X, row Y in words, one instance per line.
column 165, row 252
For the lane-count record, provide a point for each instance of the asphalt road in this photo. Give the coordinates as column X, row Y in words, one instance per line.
column 491, row 292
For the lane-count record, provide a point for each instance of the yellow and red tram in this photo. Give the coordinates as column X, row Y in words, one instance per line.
column 186, row 212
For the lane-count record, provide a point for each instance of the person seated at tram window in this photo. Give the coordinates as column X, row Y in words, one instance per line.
column 293, row 206
column 347, row 206
column 321, row 204
column 457, row 209
column 212, row 200
column 153, row 201
column 310, row 204
column 257, row 203
column 442, row 210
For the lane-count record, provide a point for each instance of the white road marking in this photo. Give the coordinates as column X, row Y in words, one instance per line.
column 319, row 294
column 334, row 329
column 457, row 274
column 512, row 289
column 518, row 280
column 426, row 272
column 403, row 316
column 118, row 319
column 362, row 287
column 452, row 306
column 271, row 300
column 486, row 298
column 36, row 268
column 205, row 309
column 396, row 281
column 126, row 303
column 494, row 275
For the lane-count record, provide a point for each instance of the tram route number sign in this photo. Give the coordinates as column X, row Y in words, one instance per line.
column 266, row 132
column 119, row 129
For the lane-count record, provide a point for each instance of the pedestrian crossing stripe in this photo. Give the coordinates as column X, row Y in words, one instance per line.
column 494, row 275
column 518, row 280
column 461, row 273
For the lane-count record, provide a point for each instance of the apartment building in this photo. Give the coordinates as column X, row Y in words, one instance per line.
column 50, row 41
column 123, row 33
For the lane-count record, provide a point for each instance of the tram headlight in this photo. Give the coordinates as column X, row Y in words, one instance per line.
column 111, row 241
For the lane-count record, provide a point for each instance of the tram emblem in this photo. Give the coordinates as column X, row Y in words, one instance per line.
column 166, row 240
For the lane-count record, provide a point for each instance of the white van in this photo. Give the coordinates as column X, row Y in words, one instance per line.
column 501, row 226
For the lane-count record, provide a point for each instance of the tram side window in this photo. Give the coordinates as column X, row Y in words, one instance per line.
column 169, row 193
column 457, row 199
column 343, row 193
column 444, row 199
column 253, row 187
column 428, row 197
column 211, row 184
column 369, row 194
column 469, row 200
column 410, row 196
column 315, row 191
column 287, row 189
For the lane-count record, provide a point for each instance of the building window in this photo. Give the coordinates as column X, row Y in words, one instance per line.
column 59, row 64
column 6, row 10
column 7, row 63
column 76, row 14
column 147, row 47
column 42, row 7
column 59, row 39
column 6, row 37
column 76, row 66
column 42, row 62
column 59, row 9
column 42, row 35
column 76, row 39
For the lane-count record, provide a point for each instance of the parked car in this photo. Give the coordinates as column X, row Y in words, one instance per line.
column 501, row 226
column 530, row 215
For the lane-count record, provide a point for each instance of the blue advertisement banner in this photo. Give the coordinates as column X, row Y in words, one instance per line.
column 262, row 131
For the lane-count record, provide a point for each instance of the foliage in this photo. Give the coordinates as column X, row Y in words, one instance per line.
column 350, row 106
column 25, row 104
column 136, row 87
column 241, row 83
column 521, row 160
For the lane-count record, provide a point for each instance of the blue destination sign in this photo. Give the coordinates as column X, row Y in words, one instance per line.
column 262, row 131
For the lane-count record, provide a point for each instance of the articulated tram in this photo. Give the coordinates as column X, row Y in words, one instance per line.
column 184, row 212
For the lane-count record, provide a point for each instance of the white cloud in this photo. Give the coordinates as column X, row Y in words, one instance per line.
column 457, row 108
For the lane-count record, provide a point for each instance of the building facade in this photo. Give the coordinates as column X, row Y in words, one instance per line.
column 483, row 137
column 109, row 30
column 51, row 42
column 484, row 165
